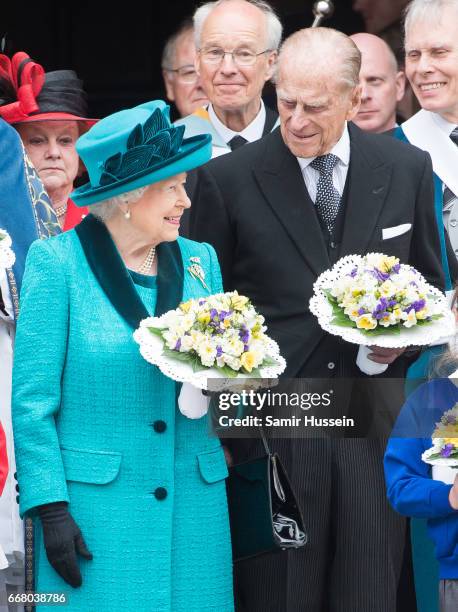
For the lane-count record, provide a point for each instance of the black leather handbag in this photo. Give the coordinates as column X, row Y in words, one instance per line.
column 263, row 511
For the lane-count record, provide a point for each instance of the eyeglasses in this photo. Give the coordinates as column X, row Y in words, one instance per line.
column 186, row 74
column 241, row 57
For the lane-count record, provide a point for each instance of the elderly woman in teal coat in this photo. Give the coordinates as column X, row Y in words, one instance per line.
column 127, row 494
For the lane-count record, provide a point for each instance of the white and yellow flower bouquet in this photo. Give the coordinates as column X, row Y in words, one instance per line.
column 376, row 300
column 7, row 257
column 445, row 441
column 219, row 336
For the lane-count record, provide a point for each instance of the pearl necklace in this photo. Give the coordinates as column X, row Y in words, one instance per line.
column 61, row 210
column 148, row 263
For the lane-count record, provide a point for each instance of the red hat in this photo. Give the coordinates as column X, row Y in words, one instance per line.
column 28, row 94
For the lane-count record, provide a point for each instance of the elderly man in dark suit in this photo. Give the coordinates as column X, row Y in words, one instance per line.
column 279, row 212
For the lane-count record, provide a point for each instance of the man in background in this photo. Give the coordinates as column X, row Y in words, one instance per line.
column 182, row 83
column 237, row 42
column 382, row 84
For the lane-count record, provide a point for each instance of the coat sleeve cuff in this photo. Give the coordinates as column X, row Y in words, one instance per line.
column 440, row 501
column 28, row 506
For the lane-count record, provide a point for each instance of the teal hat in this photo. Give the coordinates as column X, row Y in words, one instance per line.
column 134, row 148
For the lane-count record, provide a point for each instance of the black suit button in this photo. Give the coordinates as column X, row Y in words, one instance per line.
column 159, row 426
column 17, row 488
column 160, row 493
column 17, row 499
column 333, row 245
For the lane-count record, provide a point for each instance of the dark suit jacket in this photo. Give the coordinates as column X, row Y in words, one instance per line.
column 253, row 207
column 191, row 180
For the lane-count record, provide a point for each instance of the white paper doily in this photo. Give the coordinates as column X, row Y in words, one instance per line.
column 421, row 335
column 151, row 347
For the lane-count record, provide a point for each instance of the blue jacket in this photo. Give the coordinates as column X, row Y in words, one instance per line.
column 411, row 490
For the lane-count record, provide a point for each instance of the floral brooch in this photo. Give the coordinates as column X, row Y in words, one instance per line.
column 196, row 271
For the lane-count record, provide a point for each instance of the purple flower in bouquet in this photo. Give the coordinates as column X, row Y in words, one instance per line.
column 244, row 334
column 177, row 345
column 219, row 351
column 381, row 309
column 418, row 305
column 447, row 450
column 379, row 275
column 354, row 272
column 395, row 269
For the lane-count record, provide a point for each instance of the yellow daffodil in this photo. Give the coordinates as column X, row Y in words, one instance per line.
column 248, row 360
column 422, row 314
column 238, row 302
column 386, row 263
column 366, row 321
column 186, row 306
column 204, row 317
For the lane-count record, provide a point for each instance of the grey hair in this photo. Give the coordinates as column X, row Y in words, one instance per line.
column 169, row 51
column 321, row 47
column 273, row 24
column 431, row 10
column 105, row 210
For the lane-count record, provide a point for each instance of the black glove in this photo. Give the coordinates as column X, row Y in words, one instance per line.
column 63, row 540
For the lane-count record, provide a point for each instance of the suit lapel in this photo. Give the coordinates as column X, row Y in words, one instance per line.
column 280, row 179
column 368, row 183
column 271, row 118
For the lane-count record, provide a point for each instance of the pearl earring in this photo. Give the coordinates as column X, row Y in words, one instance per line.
column 127, row 214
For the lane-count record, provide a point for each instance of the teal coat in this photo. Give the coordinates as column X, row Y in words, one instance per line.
column 97, row 426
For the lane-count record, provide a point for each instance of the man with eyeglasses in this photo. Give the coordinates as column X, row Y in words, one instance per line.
column 182, row 83
column 237, row 43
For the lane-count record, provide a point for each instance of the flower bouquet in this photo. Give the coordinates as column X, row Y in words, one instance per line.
column 7, row 257
column 219, row 337
column 444, row 452
column 376, row 300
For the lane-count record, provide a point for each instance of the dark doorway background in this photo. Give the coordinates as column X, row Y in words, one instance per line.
column 117, row 51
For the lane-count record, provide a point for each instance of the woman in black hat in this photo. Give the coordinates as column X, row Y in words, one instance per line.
column 49, row 112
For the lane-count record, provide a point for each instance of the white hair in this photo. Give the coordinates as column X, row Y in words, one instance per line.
column 430, row 10
column 105, row 210
column 321, row 48
column 273, row 24
column 169, row 52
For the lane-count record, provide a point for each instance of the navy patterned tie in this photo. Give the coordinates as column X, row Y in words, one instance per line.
column 449, row 197
column 327, row 197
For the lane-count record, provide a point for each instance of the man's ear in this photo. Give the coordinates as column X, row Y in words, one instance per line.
column 168, row 82
column 271, row 61
column 355, row 102
column 400, row 85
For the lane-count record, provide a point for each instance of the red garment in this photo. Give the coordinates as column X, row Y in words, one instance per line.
column 74, row 215
column 3, row 459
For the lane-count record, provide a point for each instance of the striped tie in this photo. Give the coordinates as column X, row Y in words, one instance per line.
column 449, row 197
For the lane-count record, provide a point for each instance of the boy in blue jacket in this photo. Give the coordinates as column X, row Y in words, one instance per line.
column 410, row 487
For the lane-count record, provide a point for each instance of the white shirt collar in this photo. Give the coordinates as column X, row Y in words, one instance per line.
column 443, row 124
column 341, row 150
column 252, row 132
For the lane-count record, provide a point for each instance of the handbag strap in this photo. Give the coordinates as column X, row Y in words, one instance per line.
column 264, row 441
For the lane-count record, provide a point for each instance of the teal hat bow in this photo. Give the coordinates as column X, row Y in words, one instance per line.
column 134, row 148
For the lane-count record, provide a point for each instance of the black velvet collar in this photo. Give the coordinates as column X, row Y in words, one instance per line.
column 114, row 278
